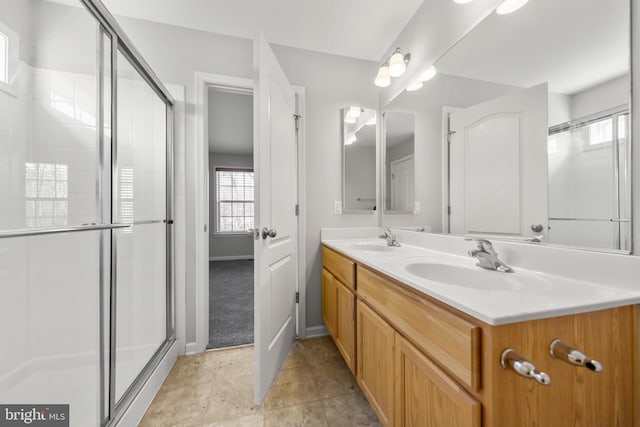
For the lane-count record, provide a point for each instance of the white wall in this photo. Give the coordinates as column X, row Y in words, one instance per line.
column 330, row 82
column 226, row 246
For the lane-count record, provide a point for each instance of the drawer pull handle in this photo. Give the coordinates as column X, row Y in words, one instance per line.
column 561, row 351
column 512, row 360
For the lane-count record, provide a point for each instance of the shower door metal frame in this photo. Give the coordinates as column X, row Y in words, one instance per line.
column 120, row 43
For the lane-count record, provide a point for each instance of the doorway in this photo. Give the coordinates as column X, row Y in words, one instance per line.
column 231, row 214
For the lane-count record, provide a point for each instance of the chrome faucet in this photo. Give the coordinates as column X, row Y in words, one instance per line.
column 390, row 237
column 487, row 256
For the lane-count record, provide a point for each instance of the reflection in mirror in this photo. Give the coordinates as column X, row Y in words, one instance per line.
column 358, row 159
column 399, row 162
column 533, row 128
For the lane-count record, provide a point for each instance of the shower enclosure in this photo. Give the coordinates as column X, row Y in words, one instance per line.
column 86, row 182
column 590, row 182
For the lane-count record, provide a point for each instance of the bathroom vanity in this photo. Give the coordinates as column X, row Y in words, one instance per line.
column 439, row 352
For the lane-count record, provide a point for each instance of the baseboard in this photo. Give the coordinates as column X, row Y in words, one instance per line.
column 317, row 331
column 230, row 258
column 192, row 348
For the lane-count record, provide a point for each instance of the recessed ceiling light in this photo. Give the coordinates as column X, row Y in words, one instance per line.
column 510, row 6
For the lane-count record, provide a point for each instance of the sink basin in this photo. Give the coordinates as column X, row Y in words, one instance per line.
column 466, row 277
column 373, row 248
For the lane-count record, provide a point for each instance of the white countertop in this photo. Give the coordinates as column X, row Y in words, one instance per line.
column 495, row 298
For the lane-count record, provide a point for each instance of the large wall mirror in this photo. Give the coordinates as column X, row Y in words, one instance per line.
column 358, row 159
column 399, row 162
column 525, row 134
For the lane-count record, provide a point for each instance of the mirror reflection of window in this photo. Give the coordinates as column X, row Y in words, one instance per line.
column 359, row 159
column 46, row 194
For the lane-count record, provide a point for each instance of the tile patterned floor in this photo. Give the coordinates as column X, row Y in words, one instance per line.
column 314, row 388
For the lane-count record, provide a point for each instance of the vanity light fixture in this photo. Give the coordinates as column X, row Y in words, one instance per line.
column 510, row 6
column 349, row 119
column 398, row 63
column 354, row 112
column 417, row 84
column 383, row 79
column 428, row 74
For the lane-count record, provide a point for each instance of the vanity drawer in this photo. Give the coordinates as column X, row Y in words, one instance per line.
column 342, row 268
column 450, row 341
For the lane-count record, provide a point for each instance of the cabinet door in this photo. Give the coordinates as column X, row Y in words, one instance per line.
column 426, row 396
column 329, row 302
column 376, row 362
column 346, row 331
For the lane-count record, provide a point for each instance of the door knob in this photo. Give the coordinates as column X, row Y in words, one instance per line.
column 254, row 232
column 537, row 228
column 266, row 232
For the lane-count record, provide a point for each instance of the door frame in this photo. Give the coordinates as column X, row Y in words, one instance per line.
column 446, row 196
column 394, row 163
column 201, row 228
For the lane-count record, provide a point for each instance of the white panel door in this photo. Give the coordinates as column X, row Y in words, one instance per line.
column 276, row 195
column 402, row 184
column 498, row 165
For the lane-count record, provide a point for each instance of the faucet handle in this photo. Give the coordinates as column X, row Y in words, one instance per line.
column 483, row 244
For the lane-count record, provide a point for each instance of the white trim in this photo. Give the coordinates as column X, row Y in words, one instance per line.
column 138, row 407
column 202, row 82
column 239, row 85
column 230, row 257
column 316, row 331
column 445, row 168
column 192, row 348
column 301, row 285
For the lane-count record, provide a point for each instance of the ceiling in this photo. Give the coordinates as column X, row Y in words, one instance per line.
column 572, row 44
column 356, row 28
column 230, row 122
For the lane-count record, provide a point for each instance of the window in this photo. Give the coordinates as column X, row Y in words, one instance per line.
column 4, row 58
column 601, row 132
column 234, row 200
column 46, row 188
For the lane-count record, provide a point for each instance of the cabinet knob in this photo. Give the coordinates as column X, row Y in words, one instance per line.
column 510, row 359
column 561, row 351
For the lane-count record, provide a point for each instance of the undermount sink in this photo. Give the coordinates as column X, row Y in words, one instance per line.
column 372, row 248
column 465, row 277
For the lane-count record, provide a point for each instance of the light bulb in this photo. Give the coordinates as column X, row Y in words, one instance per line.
column 383, row 79
column 354, row 112
column 351, row 140
column 428, row 74
column 462, row 1
column 510, row 6
column 397, row 67
column 417, row 84
column 349, row 119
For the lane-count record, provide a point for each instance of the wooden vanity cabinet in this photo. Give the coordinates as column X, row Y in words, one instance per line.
column 423, row 363
column 339, row 304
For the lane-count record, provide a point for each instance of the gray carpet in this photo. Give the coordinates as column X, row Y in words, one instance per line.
column 230, row 303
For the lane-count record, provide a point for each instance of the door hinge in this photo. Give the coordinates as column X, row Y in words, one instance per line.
column 297, row 118
column 449, row 210
column 297, row 297
column 297, row 210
